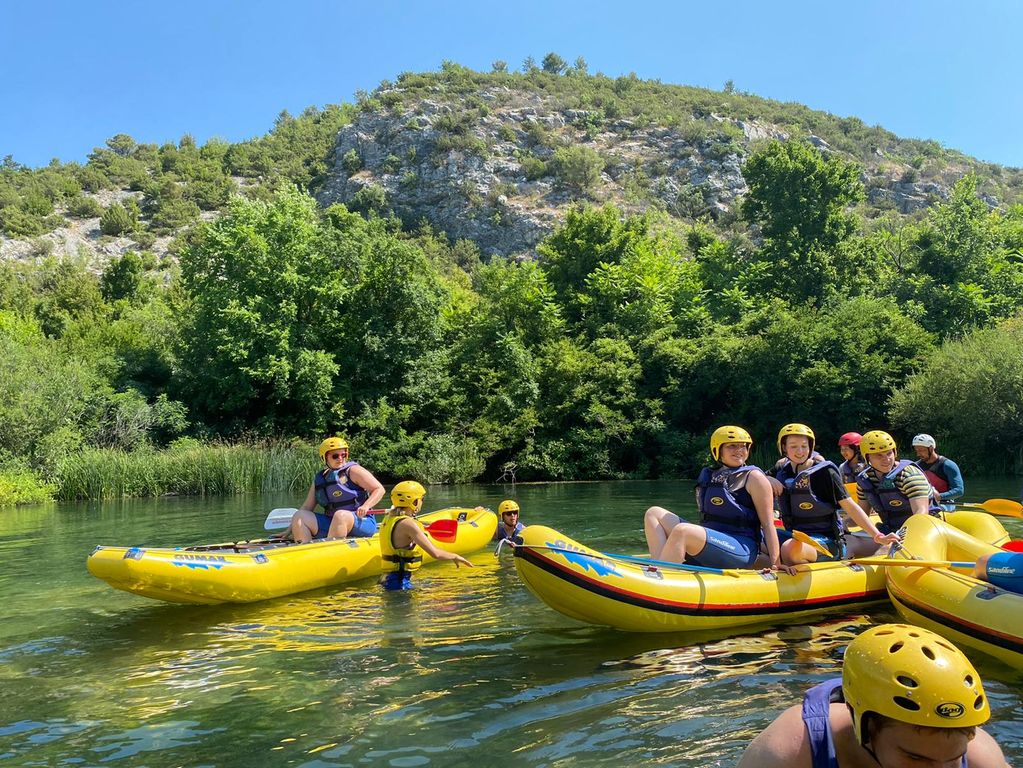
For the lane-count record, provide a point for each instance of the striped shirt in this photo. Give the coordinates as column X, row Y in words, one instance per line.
column 911, row 482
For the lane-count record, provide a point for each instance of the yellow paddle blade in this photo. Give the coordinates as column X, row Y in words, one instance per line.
column 1003, row 507
column 810, row 541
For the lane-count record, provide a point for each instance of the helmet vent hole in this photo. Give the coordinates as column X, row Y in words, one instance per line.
column 970, row 682
column 909, row 682
column 907, row 704
column 896, row 647
column 978, row 703
column 928, row 652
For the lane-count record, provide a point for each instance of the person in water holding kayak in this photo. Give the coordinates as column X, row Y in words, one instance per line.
column 893, row 489
column 346, row 491
column 906, row 698
column 942, row 473
column 510, row 526
column 810, row 493
column 401, row 534
column 853, row 463
column 1003, row 569
column 736, row 514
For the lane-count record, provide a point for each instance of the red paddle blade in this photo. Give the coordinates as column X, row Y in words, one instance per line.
column 443, row 530
column 1016, row 545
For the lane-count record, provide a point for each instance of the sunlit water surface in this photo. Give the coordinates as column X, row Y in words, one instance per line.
column 467, row 670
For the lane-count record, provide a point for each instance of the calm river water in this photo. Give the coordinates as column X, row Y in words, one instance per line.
column 467, row 670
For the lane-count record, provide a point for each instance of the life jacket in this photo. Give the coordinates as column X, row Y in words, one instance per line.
column 816, row 713
column 801, row 510
column 935, row 473
column 398, row 560
column 887, row 500
column 335, row 490
column 848, row 470
column 724, row 510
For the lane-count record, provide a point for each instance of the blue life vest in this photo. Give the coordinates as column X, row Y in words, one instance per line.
column 724, row 510
column 801, row 510
column 335, row 490
column 817, row 717
column 848, row 471
column 887, row 500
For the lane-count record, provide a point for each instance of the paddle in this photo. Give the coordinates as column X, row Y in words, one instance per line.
column 441, row 530
column 810, row 541
column 633, row 559
column 898, row 562
column 1016, row 545
column 281, row 518
column 1003, row 507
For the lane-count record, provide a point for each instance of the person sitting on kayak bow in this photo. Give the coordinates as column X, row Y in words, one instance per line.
column 810, row 493
column 346, row 491
column 736, row 514
column 401, row 534
column 906, row 698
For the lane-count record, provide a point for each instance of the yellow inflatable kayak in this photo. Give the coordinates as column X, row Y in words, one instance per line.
column 244, row 572
column 639, row 596
column 969, row 612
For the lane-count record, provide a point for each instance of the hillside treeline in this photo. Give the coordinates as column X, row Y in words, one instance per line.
column 614, row 354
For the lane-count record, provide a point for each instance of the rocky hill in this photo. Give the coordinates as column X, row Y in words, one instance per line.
column 497, row 158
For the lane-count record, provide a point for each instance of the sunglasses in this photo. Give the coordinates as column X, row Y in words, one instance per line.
column 337, row 455
column 509, row 514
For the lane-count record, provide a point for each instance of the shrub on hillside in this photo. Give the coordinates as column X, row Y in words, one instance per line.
column 84, row 207
column 577, row 167
column 116, row 220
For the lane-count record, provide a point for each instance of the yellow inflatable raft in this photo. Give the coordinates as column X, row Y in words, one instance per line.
column 969, row 612
column 640, row 595
column 244, row 572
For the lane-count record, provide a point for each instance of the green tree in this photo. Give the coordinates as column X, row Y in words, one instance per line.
column 577, row 167
column 116, row 220
column 799, row 200
column 554, row 64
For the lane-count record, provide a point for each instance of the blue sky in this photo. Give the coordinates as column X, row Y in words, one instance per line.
column 72, row 74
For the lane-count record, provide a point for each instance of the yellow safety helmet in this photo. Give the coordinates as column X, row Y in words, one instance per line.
column 911, row 675
column 331, row 444
column 795, row 429
column 409, row 494
column 507, row 506
column 876, row 441
column 724, row 435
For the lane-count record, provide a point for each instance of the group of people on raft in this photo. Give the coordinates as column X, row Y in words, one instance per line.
column 347, row 492
column 736, row 503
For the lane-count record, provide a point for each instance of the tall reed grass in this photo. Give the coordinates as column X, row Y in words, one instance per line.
column 190, row 469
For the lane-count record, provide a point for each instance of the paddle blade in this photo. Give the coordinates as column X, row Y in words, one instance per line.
column 898, row 562
column 443, row 530
column 1016, row 545
column 1003, row 507
column 810, row 541
column 279, row 518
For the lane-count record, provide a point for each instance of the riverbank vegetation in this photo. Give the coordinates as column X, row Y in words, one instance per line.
column 613, row 354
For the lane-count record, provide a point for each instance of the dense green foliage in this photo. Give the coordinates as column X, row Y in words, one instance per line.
column 613, row 354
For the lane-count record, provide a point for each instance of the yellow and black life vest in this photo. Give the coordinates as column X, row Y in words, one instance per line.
column 397, row 560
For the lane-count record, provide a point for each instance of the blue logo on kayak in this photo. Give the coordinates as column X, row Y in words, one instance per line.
column 586, row 561
column 201, row 562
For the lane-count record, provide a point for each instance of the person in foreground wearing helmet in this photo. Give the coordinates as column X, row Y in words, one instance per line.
column 510, row 526
column 853, row 464
column 346, row 491
column 810, row 493
column 894, row 489
column 736, row 514
column 907, row 698
column 942, row 473
column 401, row 534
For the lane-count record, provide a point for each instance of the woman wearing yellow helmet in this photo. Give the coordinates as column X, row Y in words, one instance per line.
column 894, row 489
column 345, row 490
column 810, row 493
column 907, row 698
column 401, row 534
column 736, row 514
